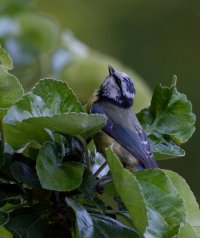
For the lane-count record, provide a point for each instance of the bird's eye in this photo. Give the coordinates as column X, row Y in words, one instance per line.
column 118, row 81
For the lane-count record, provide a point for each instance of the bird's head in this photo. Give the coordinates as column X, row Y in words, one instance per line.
column 117, row 88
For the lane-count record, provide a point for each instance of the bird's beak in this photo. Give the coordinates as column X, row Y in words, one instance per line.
column 111, row 70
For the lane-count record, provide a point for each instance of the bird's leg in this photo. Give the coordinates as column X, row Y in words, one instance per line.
column 100, row 169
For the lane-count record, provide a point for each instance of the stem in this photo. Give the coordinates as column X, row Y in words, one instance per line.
column 84, row 144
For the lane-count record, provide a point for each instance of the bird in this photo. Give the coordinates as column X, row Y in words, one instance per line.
column 115, row 99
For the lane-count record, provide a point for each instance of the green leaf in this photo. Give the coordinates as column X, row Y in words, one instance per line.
column 10, row 90
column 155, row 207
column 89, row 183
column 24, row 223
column 55, row 175
column 94, row 225
column 50, row 104
column 5, row 59
column 107, row 227
column 4, row 218
column 169, row 121
column 5, row 233
column 192, row 208
column 163, row 148
column 23, row 173
column 38, row 31
column 130, row 192
column 57, row 96
column 84, row 224
column 33, row 129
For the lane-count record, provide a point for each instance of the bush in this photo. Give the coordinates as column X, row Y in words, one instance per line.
column 48, row 161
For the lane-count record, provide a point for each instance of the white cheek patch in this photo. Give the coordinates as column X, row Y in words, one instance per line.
column 111, row 90
column 114, row 93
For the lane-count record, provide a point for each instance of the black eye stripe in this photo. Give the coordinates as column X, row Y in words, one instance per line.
column 117, row 80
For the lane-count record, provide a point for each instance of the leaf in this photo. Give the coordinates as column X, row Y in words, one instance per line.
column 25, row 223
column 50, row 104
column 155, row 207
column 84, row 224
column 130, row 192
column 169, row 121
column 163, row 148
column 4, row 218
column 5, row 233
column 94, row 225
column 23, row 173
column 55, row 175
column 163, row 201
column 192, row 207
column 38, row 31
column 33, row 129
column 10, row 90
column 88, row 184
column 5, row 59
column 57, row 96
column 107, row 227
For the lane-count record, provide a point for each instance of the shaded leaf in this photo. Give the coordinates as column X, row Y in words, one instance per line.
column 89, row 183
column 24, row 223
column 23, row 173
column 163, row 148
column 94, row 225
column 4, row 218
column 192, row 225
column 84, row 224
column 107, row 227
column 5, row 59
column 169, row 121
column 155, row 207
column 55, row 175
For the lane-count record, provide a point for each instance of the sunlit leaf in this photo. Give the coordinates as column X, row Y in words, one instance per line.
column 55, row 174
column 155, row 207
column 10, row 89
column 192, row 208
column 50, row 104
column 5, row 233
column 5, row 59
column 169, row 121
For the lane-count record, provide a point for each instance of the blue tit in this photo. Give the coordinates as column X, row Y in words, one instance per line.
column 123, row 131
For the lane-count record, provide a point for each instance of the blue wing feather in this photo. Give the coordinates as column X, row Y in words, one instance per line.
column 131, row 140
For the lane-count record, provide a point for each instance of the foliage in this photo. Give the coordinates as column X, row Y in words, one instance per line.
column 48, row 161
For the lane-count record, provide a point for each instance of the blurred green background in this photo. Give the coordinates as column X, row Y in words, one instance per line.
column 155, row 38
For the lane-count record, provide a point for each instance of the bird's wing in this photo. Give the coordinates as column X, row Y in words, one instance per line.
column 135, row 140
